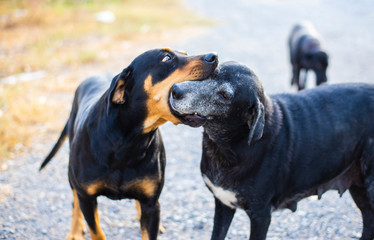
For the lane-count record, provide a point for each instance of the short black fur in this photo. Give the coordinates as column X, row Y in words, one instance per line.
column 307, row 53
column 111, row 154
column 312, row 141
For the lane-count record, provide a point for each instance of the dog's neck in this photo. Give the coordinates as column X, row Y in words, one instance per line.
column 122, row 132
column 224, row 134
column 228, row 140
column 127, row 126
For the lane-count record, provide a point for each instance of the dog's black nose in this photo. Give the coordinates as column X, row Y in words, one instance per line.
column 176, row 92
column 210, row 57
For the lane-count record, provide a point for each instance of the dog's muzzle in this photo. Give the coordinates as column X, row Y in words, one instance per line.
column 190, row 119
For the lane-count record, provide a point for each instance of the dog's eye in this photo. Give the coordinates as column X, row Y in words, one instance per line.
column 224, row 94
column 166, row 58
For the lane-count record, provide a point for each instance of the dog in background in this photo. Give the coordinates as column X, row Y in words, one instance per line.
column 116, row 149
column 306, row 53
column 262, row 153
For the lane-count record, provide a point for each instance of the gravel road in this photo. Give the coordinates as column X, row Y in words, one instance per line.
column 37, row 205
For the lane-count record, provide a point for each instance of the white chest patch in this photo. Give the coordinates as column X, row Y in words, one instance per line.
column 227, row 197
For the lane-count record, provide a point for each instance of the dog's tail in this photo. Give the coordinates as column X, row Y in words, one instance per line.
column 57, row 146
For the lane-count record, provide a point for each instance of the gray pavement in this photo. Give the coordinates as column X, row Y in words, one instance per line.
column 38, row 205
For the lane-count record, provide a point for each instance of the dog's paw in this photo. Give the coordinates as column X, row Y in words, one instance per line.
column 161, row 229
column 75, row 236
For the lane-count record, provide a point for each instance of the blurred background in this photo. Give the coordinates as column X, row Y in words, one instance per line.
column 48, row 47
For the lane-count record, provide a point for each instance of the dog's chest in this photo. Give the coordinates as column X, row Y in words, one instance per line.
column 226, row 196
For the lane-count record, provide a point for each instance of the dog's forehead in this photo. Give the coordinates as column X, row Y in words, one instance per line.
column 167, row 49
column 147, row 56
column 237, row 75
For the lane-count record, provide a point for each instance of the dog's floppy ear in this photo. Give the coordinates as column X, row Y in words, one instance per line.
column 256, row 123
column 117, row 89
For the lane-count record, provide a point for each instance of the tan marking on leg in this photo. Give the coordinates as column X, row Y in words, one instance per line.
column 147, row 186
column 93, row 188
column 139, row 214
column 145, row 235
column 143, row 230
column 98, row 234
column 77, row 223
column 158, row 111
column 161, row 228
column 138, row 210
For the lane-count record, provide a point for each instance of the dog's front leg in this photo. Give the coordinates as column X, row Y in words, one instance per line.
column 260, row 221
column 295, row 75
column 302, row 81
column 149, row 219
column 77, row 224
column 223, row 216
column 88, row 205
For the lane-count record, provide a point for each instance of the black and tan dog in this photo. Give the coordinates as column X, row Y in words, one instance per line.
column 306, row 52
column 264, row 153
column 116, row 148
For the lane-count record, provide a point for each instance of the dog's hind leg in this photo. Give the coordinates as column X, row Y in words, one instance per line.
column 88, row 206
column 302, row 80
column 364, row 197
column 362, row 201
column 295, row 75
column 77, row 224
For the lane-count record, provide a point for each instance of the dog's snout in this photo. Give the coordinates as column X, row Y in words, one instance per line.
column 176, row 92
column 210, row 57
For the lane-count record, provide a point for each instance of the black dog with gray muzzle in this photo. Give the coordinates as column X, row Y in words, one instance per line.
column 264, row 153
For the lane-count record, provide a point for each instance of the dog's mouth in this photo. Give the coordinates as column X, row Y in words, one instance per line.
column 191, row 119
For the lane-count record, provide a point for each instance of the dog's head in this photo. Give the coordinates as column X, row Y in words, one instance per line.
column 318, row 61
column 145, row 84
column 232, row 98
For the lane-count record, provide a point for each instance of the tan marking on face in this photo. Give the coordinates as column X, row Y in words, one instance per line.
column 167, row 49
column 77, row 223
column 98, row 234
column 147, row 186
column 181, row 52
column 158, row 94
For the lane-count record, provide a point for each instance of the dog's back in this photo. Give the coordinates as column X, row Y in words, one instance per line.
column 339, row 108
column 87, row 95
column 303, row 38
column 338, row 118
